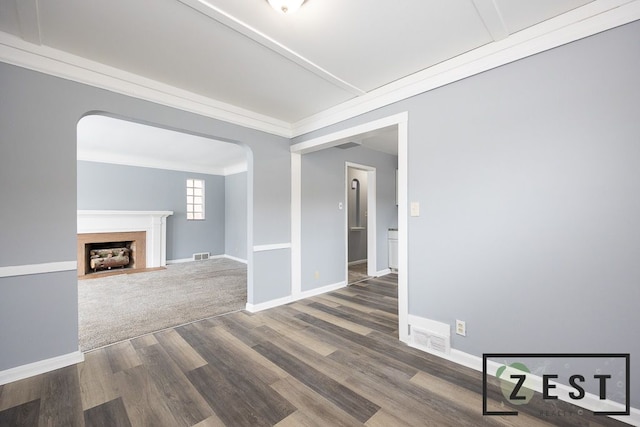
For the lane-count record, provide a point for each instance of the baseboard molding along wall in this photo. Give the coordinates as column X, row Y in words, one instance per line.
column 254, row 308
column 590, row 402
column 383, row 272
column 40, row 367
column 182, row 260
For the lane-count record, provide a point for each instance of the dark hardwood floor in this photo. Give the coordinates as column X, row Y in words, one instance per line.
column 331, row 360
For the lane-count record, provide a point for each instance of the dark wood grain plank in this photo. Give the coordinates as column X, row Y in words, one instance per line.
column 108, row 414
column 185, row 403
column 24, row 415
column 141, row 398
column 367, row 302
column 341, row 396
column 359, row 318
column 60, row 403
column 236, row 375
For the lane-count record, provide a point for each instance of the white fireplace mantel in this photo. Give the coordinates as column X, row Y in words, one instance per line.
column 153, row 222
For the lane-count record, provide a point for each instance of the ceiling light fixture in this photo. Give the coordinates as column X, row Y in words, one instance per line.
column 286, row 6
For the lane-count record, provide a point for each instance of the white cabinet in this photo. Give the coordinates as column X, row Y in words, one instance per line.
column 393, row 248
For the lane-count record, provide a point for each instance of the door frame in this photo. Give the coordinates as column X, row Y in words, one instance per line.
column 401, row 121
column 372, row 206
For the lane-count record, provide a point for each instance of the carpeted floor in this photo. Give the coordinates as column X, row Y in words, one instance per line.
column 115, row 308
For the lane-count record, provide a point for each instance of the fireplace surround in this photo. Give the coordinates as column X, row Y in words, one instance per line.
column 146, row 230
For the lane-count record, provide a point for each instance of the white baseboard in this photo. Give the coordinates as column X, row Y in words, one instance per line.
column 244, row 261
column 254, row 308
column 40, row 367
column 178, row 261
column 382, row 272
column 590, row 402
column 183, row 260
column 360, row 261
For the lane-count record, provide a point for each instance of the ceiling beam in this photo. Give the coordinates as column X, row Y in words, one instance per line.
column 492, row 19
column 217, row 14
column 29, row 20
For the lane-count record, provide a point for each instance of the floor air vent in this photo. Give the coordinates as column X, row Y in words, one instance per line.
column 201, row 256
column 431, row 340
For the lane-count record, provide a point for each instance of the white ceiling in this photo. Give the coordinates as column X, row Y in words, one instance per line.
column 109, row 140
column 285, row 68
column 245, row 54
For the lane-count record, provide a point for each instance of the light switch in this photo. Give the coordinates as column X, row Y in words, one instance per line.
column 340, row 205
column 415, row 209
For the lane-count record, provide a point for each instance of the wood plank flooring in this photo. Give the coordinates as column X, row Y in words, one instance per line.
column 331, row 360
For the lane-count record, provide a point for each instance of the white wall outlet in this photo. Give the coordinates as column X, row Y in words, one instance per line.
column 316, row 275
column 461, row 327
column 340, row 205
column 415, row 208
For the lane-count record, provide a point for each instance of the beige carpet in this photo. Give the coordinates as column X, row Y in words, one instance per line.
column 115, row 308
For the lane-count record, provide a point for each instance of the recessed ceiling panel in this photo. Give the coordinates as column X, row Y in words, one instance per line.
column 369, row 43
column 9, row 22
column 521, row 14
column 172, row 43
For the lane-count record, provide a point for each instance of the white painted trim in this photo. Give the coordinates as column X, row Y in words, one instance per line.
column 336, row 138
column 403, row 227
column 57, row 63
column 382, row 272
column 233, row 258
column 591, row 402
column 593, row 18
column 154, row 223
column 184, row 260
column 179, row 261
column 360, row 261
column 273, row 247
column 296, row 223
column 40, row 367
column 254, row 308
column 401, row 121
column 28, row 269
column 116, row 158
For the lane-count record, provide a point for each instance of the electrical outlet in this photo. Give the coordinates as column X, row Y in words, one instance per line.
column 461, row 327
column 316, row 275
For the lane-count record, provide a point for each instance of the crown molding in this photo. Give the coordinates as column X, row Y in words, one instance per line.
column 595, row 17
column 57, row 63
column 148, row 162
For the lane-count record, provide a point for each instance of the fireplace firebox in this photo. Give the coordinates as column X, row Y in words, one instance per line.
column 122, row 250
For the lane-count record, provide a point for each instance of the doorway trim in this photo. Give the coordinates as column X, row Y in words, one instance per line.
column 372, row 218
column 401, row 120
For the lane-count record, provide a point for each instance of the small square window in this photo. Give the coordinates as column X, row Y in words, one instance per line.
column 195, row 199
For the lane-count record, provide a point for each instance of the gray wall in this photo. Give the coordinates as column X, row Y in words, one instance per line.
column 38, row 179
column 108, row 186
column 324, row 225
column 235, row 232
column 357, row 217
column 529, row 185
